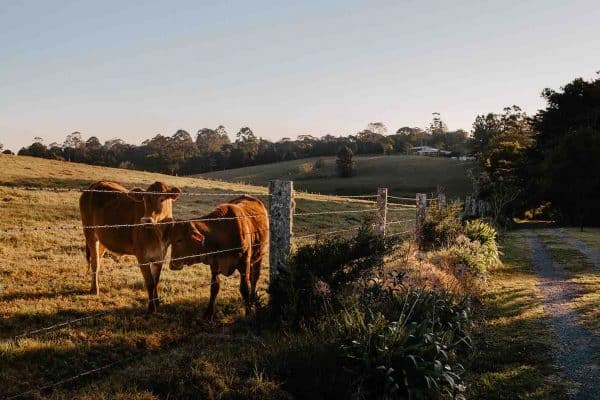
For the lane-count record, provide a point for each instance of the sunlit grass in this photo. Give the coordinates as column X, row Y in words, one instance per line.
column 515, row 339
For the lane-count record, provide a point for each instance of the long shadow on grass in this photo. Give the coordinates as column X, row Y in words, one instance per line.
column 516, row 360
column 121, row 336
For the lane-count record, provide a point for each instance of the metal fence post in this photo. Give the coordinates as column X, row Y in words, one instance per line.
column 421, row 207
column 280, row 227
column 381, row 211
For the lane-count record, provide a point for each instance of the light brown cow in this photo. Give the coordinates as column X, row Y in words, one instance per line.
column 239, row 242
column 111, row 204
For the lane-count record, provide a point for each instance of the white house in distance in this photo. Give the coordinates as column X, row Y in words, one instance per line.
column 429, row 151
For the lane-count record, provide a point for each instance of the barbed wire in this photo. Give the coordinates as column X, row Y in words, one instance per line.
column 100, row 314
column 400, row 221
column 327, row 233
column 335, row 212
column 70, row 227
column 403, row 198
column 80, row 190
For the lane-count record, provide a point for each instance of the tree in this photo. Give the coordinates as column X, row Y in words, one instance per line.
column 501, row 142
column 211, row 140
column 247, row 143
column 566, row 158
column 344, row 163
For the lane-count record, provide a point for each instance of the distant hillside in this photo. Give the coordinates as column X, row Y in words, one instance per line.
column 401, row 174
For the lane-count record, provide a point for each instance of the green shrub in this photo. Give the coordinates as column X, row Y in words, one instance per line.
column 474, row 256
column 442, row 225
column 481, row 231
column 321, row 272
column 319, row 164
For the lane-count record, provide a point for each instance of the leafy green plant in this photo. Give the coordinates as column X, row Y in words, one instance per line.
column 411, row 349
column 442, row 225
column 481, row 231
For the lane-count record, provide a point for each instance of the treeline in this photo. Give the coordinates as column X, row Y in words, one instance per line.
column 212, row 149
column 547, row 165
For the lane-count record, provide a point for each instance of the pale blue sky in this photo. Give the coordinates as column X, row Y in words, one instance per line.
column 133, row 69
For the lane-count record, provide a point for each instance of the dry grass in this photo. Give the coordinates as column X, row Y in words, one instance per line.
column 44, row 281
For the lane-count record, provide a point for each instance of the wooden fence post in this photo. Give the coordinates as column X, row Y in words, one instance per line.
column 441, row 200
column 421, row 206
column 280, row 227
column 381, row 211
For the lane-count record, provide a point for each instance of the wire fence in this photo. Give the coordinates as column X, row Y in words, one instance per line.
column 400, row 204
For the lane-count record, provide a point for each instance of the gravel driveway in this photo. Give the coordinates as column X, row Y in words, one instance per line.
column 579, row 349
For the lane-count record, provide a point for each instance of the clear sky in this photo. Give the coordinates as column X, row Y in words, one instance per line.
column 133, row 69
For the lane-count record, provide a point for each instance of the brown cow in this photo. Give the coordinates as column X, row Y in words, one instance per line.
column 239, row 242
column 115, row 205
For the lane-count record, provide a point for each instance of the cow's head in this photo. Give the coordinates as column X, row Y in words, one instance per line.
column 186, row 241
column 158, row 201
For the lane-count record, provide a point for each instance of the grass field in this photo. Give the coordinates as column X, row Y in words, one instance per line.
column 44, row 281
column 402, row 175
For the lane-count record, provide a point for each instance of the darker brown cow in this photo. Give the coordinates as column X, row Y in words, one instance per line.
column 238, row 241
column 108, row 203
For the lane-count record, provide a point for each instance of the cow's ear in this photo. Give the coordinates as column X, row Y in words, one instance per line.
column 174, row 193
column 136, row 194
column 197, row 236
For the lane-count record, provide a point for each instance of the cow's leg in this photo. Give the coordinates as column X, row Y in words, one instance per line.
column 155, row 270
column 150, row 285
column 244, row 283
column 214, row 290
column 254, row 275
column 95, row 251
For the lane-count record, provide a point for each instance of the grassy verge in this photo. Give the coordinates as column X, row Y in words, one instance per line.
column 590, row 236
column 581, row 270
column 515, row 340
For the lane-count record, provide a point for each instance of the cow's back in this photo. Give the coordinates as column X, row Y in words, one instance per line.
column 107, row 203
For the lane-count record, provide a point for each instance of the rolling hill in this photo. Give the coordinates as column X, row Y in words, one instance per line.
column 402, row 175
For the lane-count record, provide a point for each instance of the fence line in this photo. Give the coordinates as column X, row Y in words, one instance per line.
column 401, row 198
column 81, row 190
column 69, row 227
column 355, row 228
column 400, row 221
column 335, row 212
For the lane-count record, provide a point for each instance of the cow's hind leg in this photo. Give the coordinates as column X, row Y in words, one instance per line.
column 94, row 251
column 245, row 282
column 254, row 275
column 214, row 290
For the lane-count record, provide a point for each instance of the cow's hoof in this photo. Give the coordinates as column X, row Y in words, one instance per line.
column 209, row 315
column 153, row 306
column 94, row 291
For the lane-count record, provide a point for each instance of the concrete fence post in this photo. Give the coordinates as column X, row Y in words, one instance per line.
column 280, row 227
column 381, row 211
column 421, row 207
column 441, row 200
column 467, row 206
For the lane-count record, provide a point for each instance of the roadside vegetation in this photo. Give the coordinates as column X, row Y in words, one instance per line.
column 514, row 339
